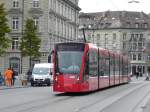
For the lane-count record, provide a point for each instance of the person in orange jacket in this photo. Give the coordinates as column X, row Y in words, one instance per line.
column 8, row 77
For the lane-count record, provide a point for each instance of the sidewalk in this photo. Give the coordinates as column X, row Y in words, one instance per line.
column 139, row 79
column 19, row 85
column 16, row 85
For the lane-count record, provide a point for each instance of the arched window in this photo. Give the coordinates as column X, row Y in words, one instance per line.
column 14, row 63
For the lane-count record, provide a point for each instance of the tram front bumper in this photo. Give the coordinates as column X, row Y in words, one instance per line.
column 69, row 88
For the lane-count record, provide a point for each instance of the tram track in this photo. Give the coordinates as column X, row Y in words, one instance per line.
column 29, row 105
column 125, row 101
column 34, row 104
column 99, row 104
column 60, row 99
column 141, row 104
column 137, row 104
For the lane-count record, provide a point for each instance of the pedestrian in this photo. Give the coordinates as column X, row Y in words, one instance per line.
column 1, row 79
column 13, row 77
column 147, row 76
column 137, row 74
column 8, row 77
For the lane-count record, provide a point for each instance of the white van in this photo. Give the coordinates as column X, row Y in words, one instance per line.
column 42, row 74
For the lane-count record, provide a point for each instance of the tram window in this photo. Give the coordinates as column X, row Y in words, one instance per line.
column 121, row 66
column 117, row 67
column 93, row 63
column 111, row 66
column 101, row 65
column 87, row 65
column 107, row 62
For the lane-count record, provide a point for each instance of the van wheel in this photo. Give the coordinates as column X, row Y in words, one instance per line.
column 48, row 84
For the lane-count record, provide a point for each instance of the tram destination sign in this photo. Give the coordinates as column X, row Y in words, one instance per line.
column 70, row 47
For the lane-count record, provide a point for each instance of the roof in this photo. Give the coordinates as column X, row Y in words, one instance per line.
column 115, row 19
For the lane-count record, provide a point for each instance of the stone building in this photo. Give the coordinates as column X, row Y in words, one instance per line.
column 56, row 20
column 124, row 32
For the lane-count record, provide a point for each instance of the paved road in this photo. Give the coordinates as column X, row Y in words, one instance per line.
column 131, row 97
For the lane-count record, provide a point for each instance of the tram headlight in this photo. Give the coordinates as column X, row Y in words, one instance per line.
column 56, row 79
column 78, row 79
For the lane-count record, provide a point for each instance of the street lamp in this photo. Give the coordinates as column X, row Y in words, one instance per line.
column 21, row 63
column 91, row 27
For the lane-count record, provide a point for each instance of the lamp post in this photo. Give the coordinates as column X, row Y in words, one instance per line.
column 22, row 33
column 82, row 27
column 91, row 27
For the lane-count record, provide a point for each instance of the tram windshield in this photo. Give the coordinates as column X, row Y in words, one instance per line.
column 69, row 62
column 69, row 59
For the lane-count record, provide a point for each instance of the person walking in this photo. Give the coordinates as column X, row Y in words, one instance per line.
column 137, row 74
column 1, row 79
column 8, row 77
column 147, row 76
column 13, row 76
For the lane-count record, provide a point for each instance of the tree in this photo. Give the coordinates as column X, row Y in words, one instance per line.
column 30, row 43
column 4, row 28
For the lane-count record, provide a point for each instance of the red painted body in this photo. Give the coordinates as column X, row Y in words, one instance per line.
column 102, row 65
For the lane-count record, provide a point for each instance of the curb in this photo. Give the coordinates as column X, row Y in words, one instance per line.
column 13, row 87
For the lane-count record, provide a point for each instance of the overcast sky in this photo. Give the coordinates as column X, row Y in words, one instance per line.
column 121, row 5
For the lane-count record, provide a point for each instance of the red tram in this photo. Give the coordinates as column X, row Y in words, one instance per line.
column 83, row 67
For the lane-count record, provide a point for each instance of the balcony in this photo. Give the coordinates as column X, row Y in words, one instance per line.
column 36, row 11
column 15, row 11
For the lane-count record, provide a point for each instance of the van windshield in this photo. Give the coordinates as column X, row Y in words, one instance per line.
column 41, row 71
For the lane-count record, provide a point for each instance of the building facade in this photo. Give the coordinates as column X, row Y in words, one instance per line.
column 120, row 31
column 56, row 21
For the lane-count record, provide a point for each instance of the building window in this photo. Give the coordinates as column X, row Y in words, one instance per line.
column 114, row 38
column 128, row 24
column 15, row 43
column 36, row 22
column 15, row 3
column 134, row 57
column 148, row 58
column 139, row 56
column 136, row 25
column 124, row 36
column 35, row 3
column 145, row 25
column 134, row 46
column 124, row 45
column 15, row 23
